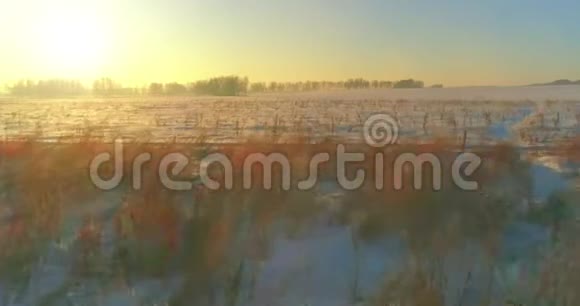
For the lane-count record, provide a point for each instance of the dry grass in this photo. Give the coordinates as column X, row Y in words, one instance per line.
column 210, row 236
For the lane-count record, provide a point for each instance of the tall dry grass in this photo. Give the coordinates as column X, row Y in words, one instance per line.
column 217, row 240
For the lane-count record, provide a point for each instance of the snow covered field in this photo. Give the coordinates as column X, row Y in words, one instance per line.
column 454, row 249
column 527, row 115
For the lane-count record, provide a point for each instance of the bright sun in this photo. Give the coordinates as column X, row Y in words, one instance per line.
column 73, row 43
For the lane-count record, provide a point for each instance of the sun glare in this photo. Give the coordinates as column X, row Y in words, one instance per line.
column 73, row 43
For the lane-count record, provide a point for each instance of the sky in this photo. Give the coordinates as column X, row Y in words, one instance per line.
column 454, row 42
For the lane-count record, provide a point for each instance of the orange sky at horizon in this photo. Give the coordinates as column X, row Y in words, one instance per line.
column 452, row 43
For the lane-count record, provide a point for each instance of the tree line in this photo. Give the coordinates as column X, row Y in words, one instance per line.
column 48, row 88
column 218, row 86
